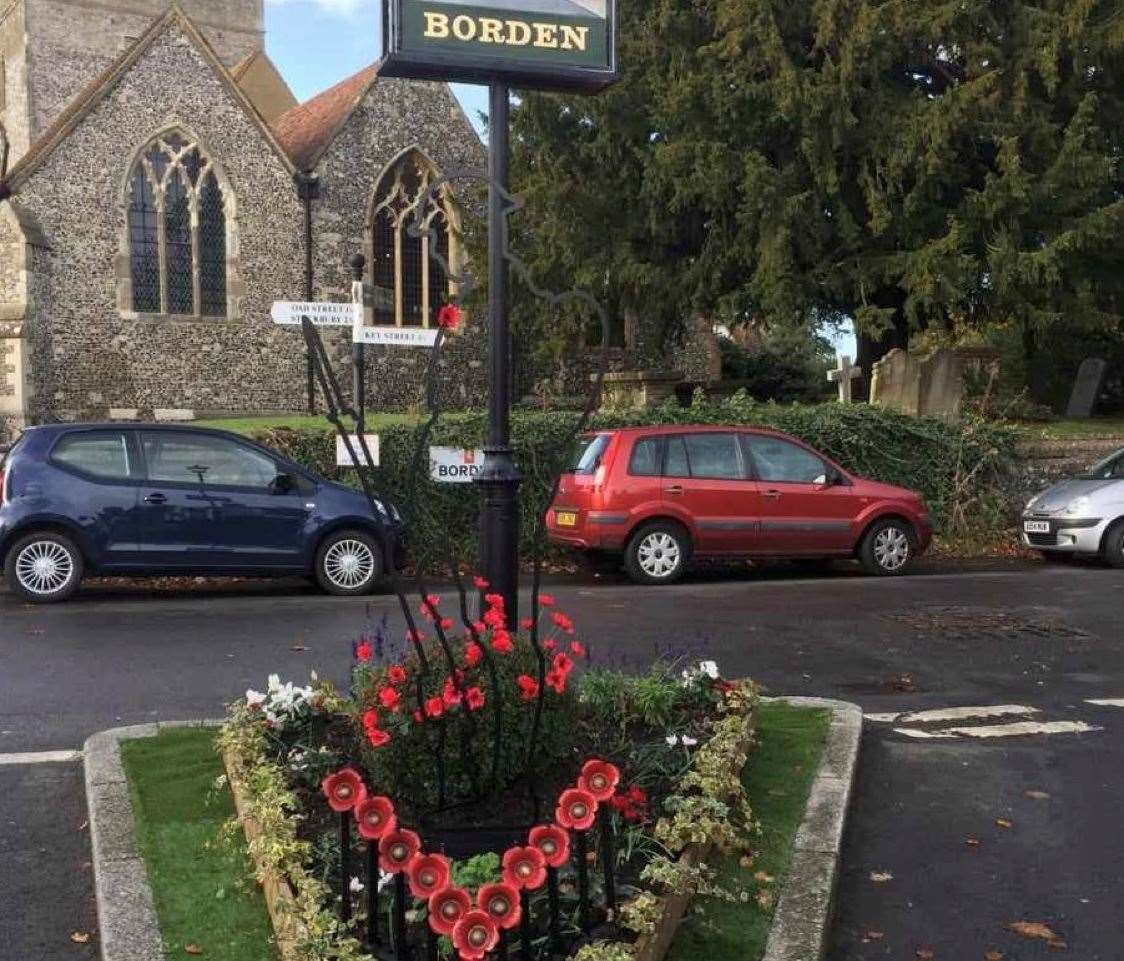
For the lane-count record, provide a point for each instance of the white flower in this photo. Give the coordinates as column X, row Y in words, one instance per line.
column 710, row 669
column 688, row 741
column 274, row 682
column 385, row 877
column 672, row 740
column 356, row 886
column 254, row 698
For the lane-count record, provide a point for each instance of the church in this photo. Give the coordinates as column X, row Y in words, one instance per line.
column 160, row 187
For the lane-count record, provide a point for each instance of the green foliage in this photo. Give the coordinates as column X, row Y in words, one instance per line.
column 957, row 467
column 786, row 366
column 477, row 871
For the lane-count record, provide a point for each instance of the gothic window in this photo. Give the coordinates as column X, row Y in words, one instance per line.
column 177, row 220
column 411, row 283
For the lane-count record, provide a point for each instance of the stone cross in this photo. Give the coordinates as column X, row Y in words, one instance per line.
column 843, row 375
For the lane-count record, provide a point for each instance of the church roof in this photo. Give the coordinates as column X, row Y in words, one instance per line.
column 96, row 90
column 262, row 82
column 307, row 130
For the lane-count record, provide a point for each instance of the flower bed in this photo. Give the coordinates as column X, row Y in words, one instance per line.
column 572, row 817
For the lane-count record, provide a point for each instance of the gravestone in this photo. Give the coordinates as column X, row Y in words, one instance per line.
column 933, row 387
column 632, row 389
column 1087, row 387
column 842, row 377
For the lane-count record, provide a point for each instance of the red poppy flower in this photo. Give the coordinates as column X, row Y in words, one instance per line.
column 473, row 654
column 526, row 623
column 474, row 935
column 556, row 681
column 501, row 643
column 553, row 842
column 396, row 674
column 563, row 663
column 370, row 718
column 528, row 687
column 389, row 698
column 344, row 789
column 524, row 868
column 577, row 648
column 549, row 644
column 450, row 696
column 546, row 600
column 378, row 737
column 494, row 600
column 479, row 627
column 481, row 583
column 428, row 874
column 447, row 623
column 432, row 601
column 446, row 908
column 418, row 717
column 562, row 622
column 375, row 817
column 599, row 778
column 449, row 317
column 397, row 849
column 576, row 810
column 501, row 902
column 474, row 698
column 434, row 707
column 364, row 652
column 495, row 619
column 415, row 637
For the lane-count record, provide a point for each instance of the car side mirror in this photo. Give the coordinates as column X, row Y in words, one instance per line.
column 284, row 484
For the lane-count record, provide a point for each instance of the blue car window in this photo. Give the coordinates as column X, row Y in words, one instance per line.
column 186, row 459
column 102, row 454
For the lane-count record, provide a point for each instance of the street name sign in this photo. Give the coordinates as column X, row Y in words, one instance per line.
column 537, row 44
column 343, row 458
column 396, row 336
column 289, row 313
column 453, row 465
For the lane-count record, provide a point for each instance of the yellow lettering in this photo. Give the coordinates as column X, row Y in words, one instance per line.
column 574, row 37
column 491, row 31
column 518, row 33
column 546, row 35
column 464, row 28
column 436, row 25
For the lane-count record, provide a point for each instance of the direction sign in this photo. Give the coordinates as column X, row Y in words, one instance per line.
column 396, row 336
column 344, row 459
column 289, row 313
column 451, row 465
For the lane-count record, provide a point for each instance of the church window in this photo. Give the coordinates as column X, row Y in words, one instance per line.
column 411, row 273
column 177, row 231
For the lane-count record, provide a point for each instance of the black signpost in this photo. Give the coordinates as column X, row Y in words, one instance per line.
column 533, row 44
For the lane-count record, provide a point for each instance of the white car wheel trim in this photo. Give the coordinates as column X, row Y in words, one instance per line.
column 659, row 555
column 44, row 568
column 349, row 564
column 891, row 549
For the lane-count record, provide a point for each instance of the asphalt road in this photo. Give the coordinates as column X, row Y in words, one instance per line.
column 1036, row 637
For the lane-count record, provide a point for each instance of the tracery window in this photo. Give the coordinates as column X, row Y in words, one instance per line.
column 177, row 220
column 410, row 283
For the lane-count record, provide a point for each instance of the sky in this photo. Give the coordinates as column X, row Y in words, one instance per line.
column 316, row 43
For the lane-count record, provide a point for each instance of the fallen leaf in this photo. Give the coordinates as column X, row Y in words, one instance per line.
column 80, row 937
column 972, row 842
column 192, row 948
column 878, row 877
column 1057, row 943
column 873, row 936
column 993, row 956
column 1004, row 823
column 1033, row 929
column 925, row 954
column 1037, row 795
column 762, row 878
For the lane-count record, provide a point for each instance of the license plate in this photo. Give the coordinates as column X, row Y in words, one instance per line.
column 566, row 518
column 1037, row 527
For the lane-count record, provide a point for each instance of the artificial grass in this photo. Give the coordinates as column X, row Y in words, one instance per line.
column 778, row 777
column 202, row 888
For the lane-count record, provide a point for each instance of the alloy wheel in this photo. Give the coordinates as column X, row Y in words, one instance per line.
column 349, row 564
column 44, row 568
column 891, row 549
column 659, row 554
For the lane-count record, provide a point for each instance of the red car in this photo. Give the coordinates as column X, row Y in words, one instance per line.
column 660, row 495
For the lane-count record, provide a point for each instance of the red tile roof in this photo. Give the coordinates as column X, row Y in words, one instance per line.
column 306, row 130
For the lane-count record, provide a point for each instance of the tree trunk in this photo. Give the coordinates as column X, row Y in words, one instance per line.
column 872, row 349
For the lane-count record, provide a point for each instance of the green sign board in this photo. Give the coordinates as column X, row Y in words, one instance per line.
column 537, row 44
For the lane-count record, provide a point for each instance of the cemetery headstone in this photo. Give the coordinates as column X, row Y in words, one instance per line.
column 842, row 377
column 1087, row 387
column 933, row 387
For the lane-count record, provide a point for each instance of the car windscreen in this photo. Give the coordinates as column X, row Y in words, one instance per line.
column 585, row 457
column 1111, row 468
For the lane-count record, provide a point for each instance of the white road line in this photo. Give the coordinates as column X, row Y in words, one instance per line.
column 965, row 713
column 1018, row 729
column 881, row 718
column 927, row 735
column 41, row 757
column 1107, row 702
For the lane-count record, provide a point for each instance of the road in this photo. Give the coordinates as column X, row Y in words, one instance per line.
column 957, row 847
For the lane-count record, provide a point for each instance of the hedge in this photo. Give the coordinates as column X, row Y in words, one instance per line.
column 958, row 467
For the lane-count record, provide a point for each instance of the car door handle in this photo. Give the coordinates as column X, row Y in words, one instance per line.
column 156, row 499
column 772, row 495
column 674, row 490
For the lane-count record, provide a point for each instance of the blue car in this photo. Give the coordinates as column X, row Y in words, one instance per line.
column 140, row 499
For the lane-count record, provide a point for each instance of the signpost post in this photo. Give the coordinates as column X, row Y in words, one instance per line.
column 534, row 45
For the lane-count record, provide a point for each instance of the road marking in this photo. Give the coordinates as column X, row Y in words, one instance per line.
column 952, row 714
column 1107, row 702
column 1017, row 729
column 881, row 718
column 928, row 735
column 41, row 757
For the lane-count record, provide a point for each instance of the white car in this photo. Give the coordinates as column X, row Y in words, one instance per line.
column 1082, row 515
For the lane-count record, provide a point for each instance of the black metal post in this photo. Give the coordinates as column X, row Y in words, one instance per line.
column 499, row 477
column 555, row 926
column 581, row 851
column 526, row 934
column 372, row 897
column 308, row 190
column 359, row 359
column 401, row 951
column 345, row 866
column 608, row 858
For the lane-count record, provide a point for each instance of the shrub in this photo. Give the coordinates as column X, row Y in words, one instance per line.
column 958, row 467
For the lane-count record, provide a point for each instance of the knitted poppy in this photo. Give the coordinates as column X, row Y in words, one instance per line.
column 528, row 687
column 501, row 902
column 344, row 789
column 553, row 842
column 475, row 934
column 375, row 817
column 576, row 810
column 446, row 908
column 389, row 698
column 396, row 674
column 428, row 874
column 599, row 778
column 524, row 868
column 397, row 849
column 474, row 698
column 449, row 317
column 377, row 737
column 473, row 654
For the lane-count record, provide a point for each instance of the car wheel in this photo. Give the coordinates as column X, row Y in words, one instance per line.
column 1113, row 548
column 888, row 549
column 658, row 553
column 348, row 563
column 44, row 568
